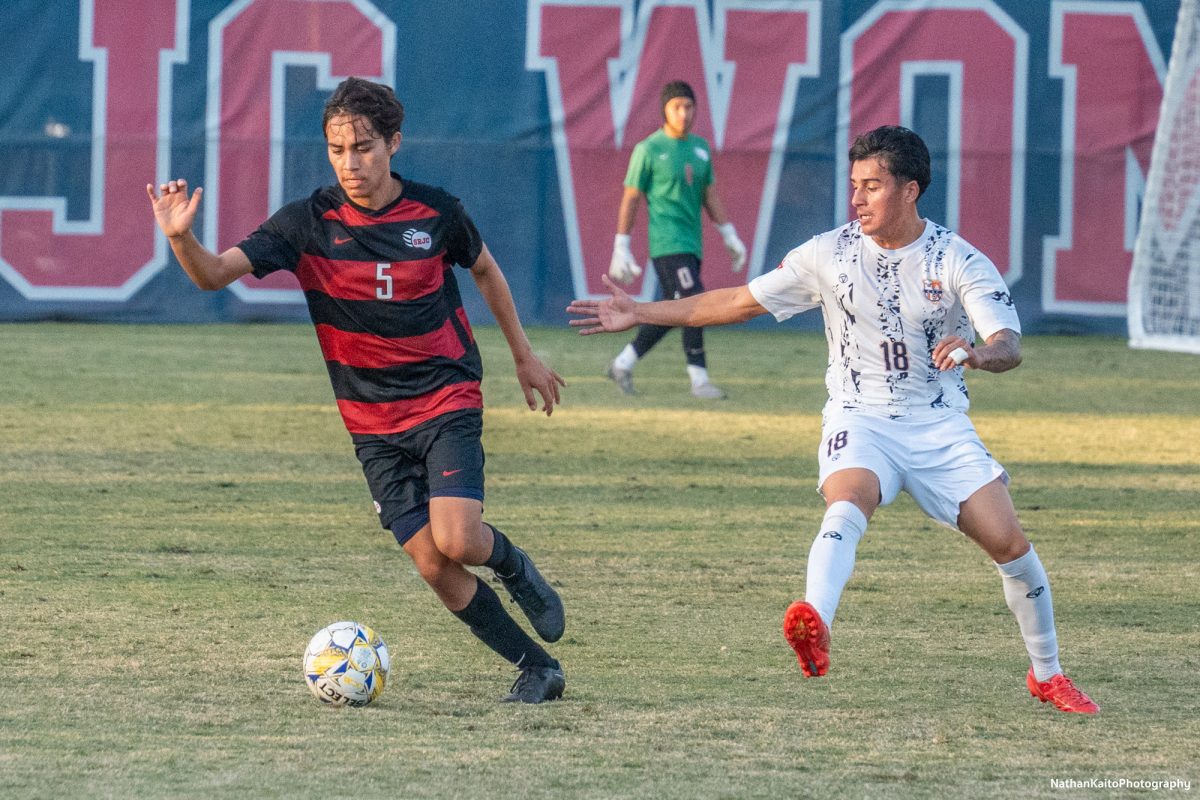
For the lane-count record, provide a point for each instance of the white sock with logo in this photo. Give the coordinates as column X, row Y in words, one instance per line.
column 1027, row 592
column 626, row 358
column 831, row 557
column 699, row 375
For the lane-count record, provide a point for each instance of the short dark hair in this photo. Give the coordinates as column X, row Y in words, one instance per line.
column 675, row 89
column 375, row 102
column 900, row 150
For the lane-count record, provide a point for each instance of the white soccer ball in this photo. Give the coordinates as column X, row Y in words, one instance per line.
column 346, row 664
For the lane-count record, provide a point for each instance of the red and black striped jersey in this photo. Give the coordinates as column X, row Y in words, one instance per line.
column 383, row 297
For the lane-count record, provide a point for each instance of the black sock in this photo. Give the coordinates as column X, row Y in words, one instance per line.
column 504, row 558
column 488, row 620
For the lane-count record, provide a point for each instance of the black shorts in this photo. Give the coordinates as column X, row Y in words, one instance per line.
column 678, row 275
column 439, row 458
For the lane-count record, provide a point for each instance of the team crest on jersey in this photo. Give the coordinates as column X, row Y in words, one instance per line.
column 418, row 239
column 933, row 291
column 701, row 153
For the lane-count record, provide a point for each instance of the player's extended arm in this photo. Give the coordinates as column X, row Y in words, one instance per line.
column 1000, row 353
column 631, row 200
column 714, row 207
column 532, row 374
column 175, row 213
column 624, row 267
column 621, row 312
column 716, row 211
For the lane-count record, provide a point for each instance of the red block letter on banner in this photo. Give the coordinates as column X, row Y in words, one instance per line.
column 1112, row 74
column 111, row 255
column 604, row 70
column 986, row 55
column 251, row 44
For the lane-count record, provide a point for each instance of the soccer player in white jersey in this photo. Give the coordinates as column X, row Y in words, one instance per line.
column 904, row 302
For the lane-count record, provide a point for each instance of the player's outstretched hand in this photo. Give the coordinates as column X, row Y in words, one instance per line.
column 535, row 376
column 613, row 314
column 173, row 209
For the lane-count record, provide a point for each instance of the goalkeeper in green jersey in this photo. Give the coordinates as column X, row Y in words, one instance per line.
column 672, row 169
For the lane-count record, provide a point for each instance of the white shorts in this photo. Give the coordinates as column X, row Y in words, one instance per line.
column 938, row 459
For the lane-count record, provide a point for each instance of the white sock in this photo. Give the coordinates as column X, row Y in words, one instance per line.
column 831, row 557
column 626, row 358
column 1027, row 592
column 699, row 375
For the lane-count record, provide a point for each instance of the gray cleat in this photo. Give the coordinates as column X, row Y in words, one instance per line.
column 623, row 378
column 708, row 391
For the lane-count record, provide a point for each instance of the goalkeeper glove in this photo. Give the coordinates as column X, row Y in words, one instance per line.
column 624, row 267
column 737, row 250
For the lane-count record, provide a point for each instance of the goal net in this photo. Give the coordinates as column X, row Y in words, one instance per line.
column 1164, row 283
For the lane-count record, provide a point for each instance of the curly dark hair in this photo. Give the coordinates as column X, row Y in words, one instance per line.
column 900, row 150
column 375, row 102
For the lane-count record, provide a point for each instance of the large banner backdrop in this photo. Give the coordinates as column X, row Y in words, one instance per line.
column 1040, row 117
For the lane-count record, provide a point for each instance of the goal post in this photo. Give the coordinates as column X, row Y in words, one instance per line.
column 1164, row 282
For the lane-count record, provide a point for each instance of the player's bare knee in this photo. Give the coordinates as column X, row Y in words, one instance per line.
column 1012, row 548
column 431, row 567
column 1002, row 546
column 866, row 501
column 455, row 547
column 857, row 486
column 467, row 543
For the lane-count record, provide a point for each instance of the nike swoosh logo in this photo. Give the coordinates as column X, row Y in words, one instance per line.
column 446, row 473
column 340, row 240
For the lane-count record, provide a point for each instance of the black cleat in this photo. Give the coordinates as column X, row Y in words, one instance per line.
column 536, row 598
column 536, row 685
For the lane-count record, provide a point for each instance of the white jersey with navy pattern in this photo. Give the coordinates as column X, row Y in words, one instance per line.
column 885, row 310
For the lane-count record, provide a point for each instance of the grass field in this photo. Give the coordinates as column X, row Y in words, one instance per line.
column 180, row 509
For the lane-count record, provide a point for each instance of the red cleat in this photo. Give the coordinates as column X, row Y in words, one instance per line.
column 1060, row 691
column 808, row 635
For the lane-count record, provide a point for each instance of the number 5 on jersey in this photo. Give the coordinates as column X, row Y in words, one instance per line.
column 384, row 290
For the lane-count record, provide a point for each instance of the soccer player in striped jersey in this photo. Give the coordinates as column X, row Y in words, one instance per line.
column 375, row 256
column 901, row 296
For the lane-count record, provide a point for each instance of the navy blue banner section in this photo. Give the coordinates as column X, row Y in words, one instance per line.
column 1039, row 116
